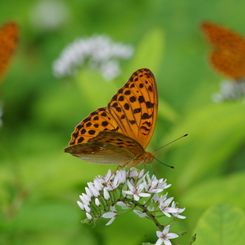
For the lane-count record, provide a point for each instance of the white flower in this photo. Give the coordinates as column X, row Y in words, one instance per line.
column 88, row 192
column 104, row 179
column 98, row 52
column 123, row 205
column 98, row 185
column 87, row 208
column 89, row 216
column 162, row 198
column 110, row 69
column 129, row 190
column 153, row 185
column 93, row 189
column 85, row 198
column 113, row 183
column 133, row 172
column 121, row 175
column 106, row 194
column 155, row 199
column 164, row 207
column 48, row 15
column 135, row 190
column 110, row 215
column 178, row 211
column 140, row 213
column 230, row 90
column 97, row 202
column 164, row 236
column 81, row 205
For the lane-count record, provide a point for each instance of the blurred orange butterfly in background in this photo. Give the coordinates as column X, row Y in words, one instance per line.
column 120, row 132
column 228, row 55
column 9, row 35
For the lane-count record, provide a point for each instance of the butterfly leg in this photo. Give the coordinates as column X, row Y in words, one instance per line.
column 137, row 169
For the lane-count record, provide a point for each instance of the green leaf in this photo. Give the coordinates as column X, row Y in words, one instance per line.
column 215, row 134
column 167, row 112
column 221, row 225
column 94, row 89
column 149, row 52
column 232, row 191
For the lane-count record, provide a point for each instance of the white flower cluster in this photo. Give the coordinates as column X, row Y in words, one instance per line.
column 230, row 90
column 129, row 190
column 49, row 14
column 98, row 52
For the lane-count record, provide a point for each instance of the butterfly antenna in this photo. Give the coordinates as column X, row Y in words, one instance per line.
column 164, row 163
column 171, row 143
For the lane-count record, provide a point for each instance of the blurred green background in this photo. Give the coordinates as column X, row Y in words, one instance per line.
column 39, row 184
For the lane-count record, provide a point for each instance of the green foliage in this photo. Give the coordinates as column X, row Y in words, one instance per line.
column 149, row 51
column 233, row 192
column 221, row 224
column 39, row 184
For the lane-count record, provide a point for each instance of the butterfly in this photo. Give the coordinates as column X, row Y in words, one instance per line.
column 228, row 55
column 9, row 34
column 120, row 132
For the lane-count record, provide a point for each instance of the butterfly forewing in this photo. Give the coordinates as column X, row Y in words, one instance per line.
column 221, row 36
column 132, row 111
column 231, row 64
column 134, row 107
column 92, row 125
column 8, row 42
column 228, row 56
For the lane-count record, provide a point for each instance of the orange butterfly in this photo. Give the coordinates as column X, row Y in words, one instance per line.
column 120, row 132
column 9, row 34
column 228, row 55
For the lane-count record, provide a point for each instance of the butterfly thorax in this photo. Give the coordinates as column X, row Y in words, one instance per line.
column 146, row 158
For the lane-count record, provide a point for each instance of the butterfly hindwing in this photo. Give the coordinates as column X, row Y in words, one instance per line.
column 119, row 140
column 96, row 152
column 117, row 148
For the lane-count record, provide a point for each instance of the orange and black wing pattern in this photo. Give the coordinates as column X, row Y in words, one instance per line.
column 228, row 54
column 9, row 34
